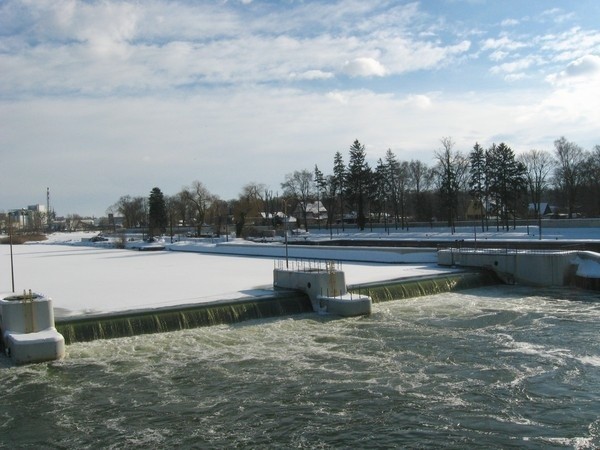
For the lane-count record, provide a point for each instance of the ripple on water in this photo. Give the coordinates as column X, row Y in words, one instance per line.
column 501, row 367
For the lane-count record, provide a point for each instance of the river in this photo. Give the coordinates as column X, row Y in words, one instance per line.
column 497, row 367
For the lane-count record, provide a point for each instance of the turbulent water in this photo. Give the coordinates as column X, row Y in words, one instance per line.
column 488, row 368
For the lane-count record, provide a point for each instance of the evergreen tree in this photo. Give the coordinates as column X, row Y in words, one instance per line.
column 507, row 181
column 478, row 180
column 381, row 191
column 358, row 180
column 392, row 173
column 157, row 213
column 321, row 189
column 338, row 183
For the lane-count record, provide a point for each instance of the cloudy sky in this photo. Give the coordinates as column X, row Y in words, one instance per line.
column 100, row 99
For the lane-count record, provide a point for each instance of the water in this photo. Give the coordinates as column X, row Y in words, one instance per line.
column 502, row 367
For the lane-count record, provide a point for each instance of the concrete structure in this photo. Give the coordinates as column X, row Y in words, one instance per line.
column 534, row 268
column 325, row 285
column 27, row 329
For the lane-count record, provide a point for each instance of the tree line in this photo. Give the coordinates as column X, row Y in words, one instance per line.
column 493, row 185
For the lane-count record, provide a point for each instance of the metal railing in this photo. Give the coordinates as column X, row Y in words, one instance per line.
column 307, row 265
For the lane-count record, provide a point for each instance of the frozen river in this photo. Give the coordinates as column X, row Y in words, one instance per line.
column 83, row 280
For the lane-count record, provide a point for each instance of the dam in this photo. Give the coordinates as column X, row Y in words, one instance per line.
column 124, row 293
column 550, row 268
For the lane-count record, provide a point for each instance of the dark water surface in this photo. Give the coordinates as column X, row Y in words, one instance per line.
column 503, row 367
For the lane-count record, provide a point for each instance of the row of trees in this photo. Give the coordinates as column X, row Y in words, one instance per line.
column 191, row 207
column 493, row 183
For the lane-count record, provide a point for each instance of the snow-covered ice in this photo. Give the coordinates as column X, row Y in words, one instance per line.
column 83, row 278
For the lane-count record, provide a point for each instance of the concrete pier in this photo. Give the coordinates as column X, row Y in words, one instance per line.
column 27, row 329
column 325, row 285
column 533, row 268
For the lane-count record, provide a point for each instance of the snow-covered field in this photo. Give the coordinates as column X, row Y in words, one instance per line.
column 87, row 278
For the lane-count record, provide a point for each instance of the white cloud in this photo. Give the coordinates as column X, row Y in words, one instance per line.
column 419, row 101
column 230, row 94
column 509, row 22
column 570, row 108
column 584, row 66
column 498, row 55
column 582, row 71
column 364, row 67
column 312, row 75
column 502, row 43
column 513, row 66
column 121, row 47
column 557, row 15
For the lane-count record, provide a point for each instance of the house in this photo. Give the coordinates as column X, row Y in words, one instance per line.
column 475, row 210
column 544, row 208
column 315, row 212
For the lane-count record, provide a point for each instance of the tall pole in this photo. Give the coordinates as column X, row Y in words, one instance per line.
column 48, row 208
column 287, row 266
column 12, row 271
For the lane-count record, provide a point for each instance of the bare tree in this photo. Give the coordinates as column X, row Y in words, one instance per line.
column 538, row 165
column 249, row 204
column 133, row 210
column 448, row 173
column 300, row 187
column 201, row 199
column 592, row 181
column 569, row 171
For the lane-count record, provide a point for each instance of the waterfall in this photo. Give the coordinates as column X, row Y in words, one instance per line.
column 131, row 323
column 416, row 287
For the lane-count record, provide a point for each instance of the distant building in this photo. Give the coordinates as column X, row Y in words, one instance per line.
column 544, row 208
column 315, row 212
column 475, row 210
column 32, row 217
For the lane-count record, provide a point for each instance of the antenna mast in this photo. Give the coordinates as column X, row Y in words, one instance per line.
column 48, row 217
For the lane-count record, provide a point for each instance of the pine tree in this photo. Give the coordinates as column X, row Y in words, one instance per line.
column 157, row 212
column 506, row 180
column 392, row 172
column 321, row 189
column 478, row 180
column 338, row 182
column 358, row 180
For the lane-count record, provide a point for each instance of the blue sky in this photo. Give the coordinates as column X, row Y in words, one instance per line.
column 100, row 99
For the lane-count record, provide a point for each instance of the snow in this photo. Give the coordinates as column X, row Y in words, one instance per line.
column 86, row 277
column 588, row 269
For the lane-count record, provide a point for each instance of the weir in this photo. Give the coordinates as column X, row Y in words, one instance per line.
column 131, row 323
column 27, row 332
column 325, row 284
column 282, row 303
column 427, row 285
column 530, row 267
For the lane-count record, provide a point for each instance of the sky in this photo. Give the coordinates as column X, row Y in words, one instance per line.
column 101, row 99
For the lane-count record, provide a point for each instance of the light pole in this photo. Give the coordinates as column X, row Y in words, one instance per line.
column 12, row 270
column 285, row 233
